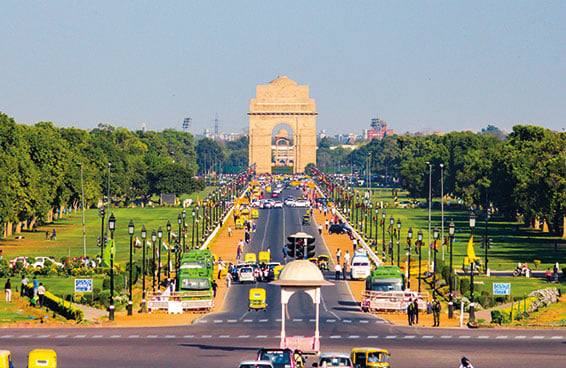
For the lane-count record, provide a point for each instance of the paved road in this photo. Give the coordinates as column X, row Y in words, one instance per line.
column 224, row 339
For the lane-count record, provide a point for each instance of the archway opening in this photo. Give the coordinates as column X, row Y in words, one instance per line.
column 282, row 149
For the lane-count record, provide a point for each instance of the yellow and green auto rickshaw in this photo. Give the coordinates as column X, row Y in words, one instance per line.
column 255, row 213
column 250, row 258
column 264, row 257
column 370, row 357
column 257, row 299
column 313, row 260
column 277, row 271
column 42, row 358
column 323, row 261
column 6, row 359
column 306, row 219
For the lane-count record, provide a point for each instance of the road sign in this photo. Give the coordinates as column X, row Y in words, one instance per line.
column 500, row 288
column 83, row 285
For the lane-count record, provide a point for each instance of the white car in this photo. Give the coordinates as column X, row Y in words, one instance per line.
column 246, row 274
column 360, row 267
column 40, row 262
column 278, row 204
column 289, row 202
column 302, row 203
column 24, row 260
column 255, row 364
column 334, row 360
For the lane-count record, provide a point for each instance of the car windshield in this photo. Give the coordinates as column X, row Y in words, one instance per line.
column 195, row 284
column 192, row 265
column 377, row 358
column 276, row 357
column 335, row 362
column 254, row 366
column 361, row 264
column 387, row 285
column 246, row 270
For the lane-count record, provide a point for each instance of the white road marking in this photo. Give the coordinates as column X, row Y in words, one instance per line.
column 25, row 336
column 203, row 321
column 464, row 337
column 218, row 321
column 232, row 320
column 330, row 320
column 335, row 337
column 6, row 336
column 261, row 337
column 115, row 336
column 556, row 337
column 445, row 337
column 372, row 337
column 297, row 320
column 312, row 320
column 538, row 337
column 391, row 337
column 224, row 336
column 170, row 336
column 346, row 321
column 380, row 321
column 133, row 336
column 243, row 336
column 410, row 337
column 97, row 336
column 151, row 336
column 364, row 321
column 354, row 337
column 80, row 336
column 427, row 337
column 248, row 321
column 43, row 336
column 61, row 336
column 263, row 320
column 206, row 336
column 520, row 337
column 188, row 336
column 501, row 337
column 483, row 337
column 278, row 320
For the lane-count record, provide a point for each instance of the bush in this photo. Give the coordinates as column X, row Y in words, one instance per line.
column 537, row 263
column 104, row 298
column 496, row 316
column 62, row 307
column 464, row 285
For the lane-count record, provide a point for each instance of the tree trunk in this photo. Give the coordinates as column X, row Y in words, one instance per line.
column 18, row 227
column 564, row 228
column 9, row 230
column 32, row 223
column 544, row 226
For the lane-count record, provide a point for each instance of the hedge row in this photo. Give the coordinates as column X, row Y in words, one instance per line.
column 58, row 305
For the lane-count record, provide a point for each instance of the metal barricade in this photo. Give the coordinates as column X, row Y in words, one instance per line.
column 391, row 301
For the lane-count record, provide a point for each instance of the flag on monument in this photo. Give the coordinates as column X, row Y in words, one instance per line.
column 471, row 253
column 109, row 251
column 137, row 243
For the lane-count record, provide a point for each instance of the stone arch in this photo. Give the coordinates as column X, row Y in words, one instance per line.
column 282, row 101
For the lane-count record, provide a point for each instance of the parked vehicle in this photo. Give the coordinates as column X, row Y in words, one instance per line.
column 255, row 364
column 339, row 229
column 334, row 360
column 42, row 358
column 370, row 358
column 40, row 262
column 24, row 260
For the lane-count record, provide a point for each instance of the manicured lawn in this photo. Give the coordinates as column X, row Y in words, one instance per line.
column 57, row 285
column 9, row 314
column 512, row 242
column 70, row 239
column 519, row 286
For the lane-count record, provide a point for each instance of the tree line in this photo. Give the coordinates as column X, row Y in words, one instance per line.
column 41, row 168
column 522, row 175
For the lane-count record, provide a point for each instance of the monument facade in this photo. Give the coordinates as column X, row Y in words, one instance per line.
column 282, row 101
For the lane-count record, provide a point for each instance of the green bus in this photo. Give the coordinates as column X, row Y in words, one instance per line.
column 386, row 278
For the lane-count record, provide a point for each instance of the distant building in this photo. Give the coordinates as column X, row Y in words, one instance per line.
column 378, row 130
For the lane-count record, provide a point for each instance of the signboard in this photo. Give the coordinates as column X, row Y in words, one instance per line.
column 500, row 288
column 83, row 285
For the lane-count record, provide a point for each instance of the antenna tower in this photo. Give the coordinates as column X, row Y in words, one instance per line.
column 186, row 123
column 216, row 124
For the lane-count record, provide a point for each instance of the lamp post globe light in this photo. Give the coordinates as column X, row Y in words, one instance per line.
column 159, row 236
column 391, row 227
column 472, row 266
column 131, row 230
column 435, row 236
column 419, row 247
column 111, row 227
column 383, row 217
column 168, row 250
column 153, row 268
column 408, row 249
column 451, row 231
column 193, row 213
column 184, row 216
column 398, row 241
column 144, row 237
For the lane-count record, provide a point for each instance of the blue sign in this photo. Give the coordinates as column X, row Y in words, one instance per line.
column 500, row 288
column 83, row 285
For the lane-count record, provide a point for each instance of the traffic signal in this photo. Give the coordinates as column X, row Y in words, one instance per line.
column 101, row 212
column 291, row 247
column 490, row 243
column 310, row 248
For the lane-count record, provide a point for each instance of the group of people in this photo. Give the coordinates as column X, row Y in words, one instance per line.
column 552, row 276
column 433, row 307
column 36, row 292
column 341, row 270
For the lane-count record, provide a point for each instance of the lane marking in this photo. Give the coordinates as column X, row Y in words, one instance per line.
column 188, row 336
column 261, row 337
column 6, row 336
column 206, row 336
column 115, row 336
column 391, row 337
column 61, row 336
column 520, row 337
column 278, row 320
column 538, row 337
column 151, row 336
column 335, row 337
column 243, row 336
column 133, row 336
column 445, row 337
column 224, row 336
column 556, row 337
column 330, row 320
column 312, row 320
column 80, row 336
column 483, row 337
column 263, row 320
column 347, row 321
column 218, row 321
column 232, row 320
column 297, row 320
column 97, row 336
column 24, row 336
column 372, row 337
column 248, row 321
column 464, row 337
column 170, row 336
column 410, row 337
column 501, row 337
column 354, row 337
column 43, row 336
column 364, row 321
column 427, row 337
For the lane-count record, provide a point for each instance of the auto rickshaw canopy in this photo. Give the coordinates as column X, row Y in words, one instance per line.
column 370, row 357
column 6, row 359
column 42, row 358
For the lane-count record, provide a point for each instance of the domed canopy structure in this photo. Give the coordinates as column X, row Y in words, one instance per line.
column 282, row 133
column 301, row 273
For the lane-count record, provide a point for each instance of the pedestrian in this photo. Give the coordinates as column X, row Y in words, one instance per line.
column 344, row 270
column 220, row 269
column 248, row 226
column 54, row 235
column 347, row 257
column 247, row 236
column 354, row 244
column 326, row 224
column 229, row 232
column 466, row 363
column 338, row 269
column 416, row 310
column 228, row 279
column 338, row 254
column 214, row 287
column 410, row 312
column 25, row 283
column 319, row 229
column 436, row 307
column 8, row 290
column 35, row 286
column 41, row 294
column 253, row 227
column 548, row 275
column 47, row 235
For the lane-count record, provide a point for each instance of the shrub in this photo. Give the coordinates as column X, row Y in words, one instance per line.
column 464, row 285
column 62, row 307
column 537, row 263
column 496, row 316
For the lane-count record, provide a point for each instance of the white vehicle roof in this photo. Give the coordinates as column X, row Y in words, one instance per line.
column 256, row 362
column 339, row 355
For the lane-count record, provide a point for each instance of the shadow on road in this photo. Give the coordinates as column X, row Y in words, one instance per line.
column 219, row 347
column 350, row 303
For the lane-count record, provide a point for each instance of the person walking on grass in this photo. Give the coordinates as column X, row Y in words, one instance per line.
column 41, row 294
column 25, row 283
column 8, row 290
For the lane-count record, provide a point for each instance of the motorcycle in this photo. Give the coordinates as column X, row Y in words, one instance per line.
column 522, row 272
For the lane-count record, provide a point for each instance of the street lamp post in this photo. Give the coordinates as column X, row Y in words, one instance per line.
column 376, row 224
column 153, row 268
column 131, row 230
column 485, row 237
column 111, row 228
column 472, row 266
column 409, row 237
column 160, row 237
column 442, row 207
column 436, row 234
column 429, row 204
column 419, row 247
column 391, row 227
column 184, row 216
column 451, row 230
column 193, row 230
column 398, row 241
column 383, row 216
column 144, row 237
column 370, row 206
column 168, row 250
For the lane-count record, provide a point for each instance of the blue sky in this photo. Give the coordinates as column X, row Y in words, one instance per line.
column 419, row 65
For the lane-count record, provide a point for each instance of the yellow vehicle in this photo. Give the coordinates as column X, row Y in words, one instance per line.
column 239, row 224
column 250, row 258
column 276, row 272
column 245, row 214
column 42, row 358
column 313, row 260
column 323, row 261
column 6, row 359
column 370, row 357
column 306, row 219
column 257, row 299
column 268, row 189
column 264, row 257
column 255, row 213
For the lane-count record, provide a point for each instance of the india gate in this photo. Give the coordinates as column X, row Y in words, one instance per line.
column 282, row 101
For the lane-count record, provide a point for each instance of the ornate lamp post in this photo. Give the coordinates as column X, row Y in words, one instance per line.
column 376, row 224
column 435, row 235
column 193, row 230
column 451, row 230
column 383, row 216
column 159, row 236
column 111, row 227
column 144, row 237
column 398, row 241
column 168, row 249
column 370, row 212
column 131, row 230
column 472, row 266
column 419, row 247
column 153, row 268
column 184, row 216
column 391, row 227
column 408, row 249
